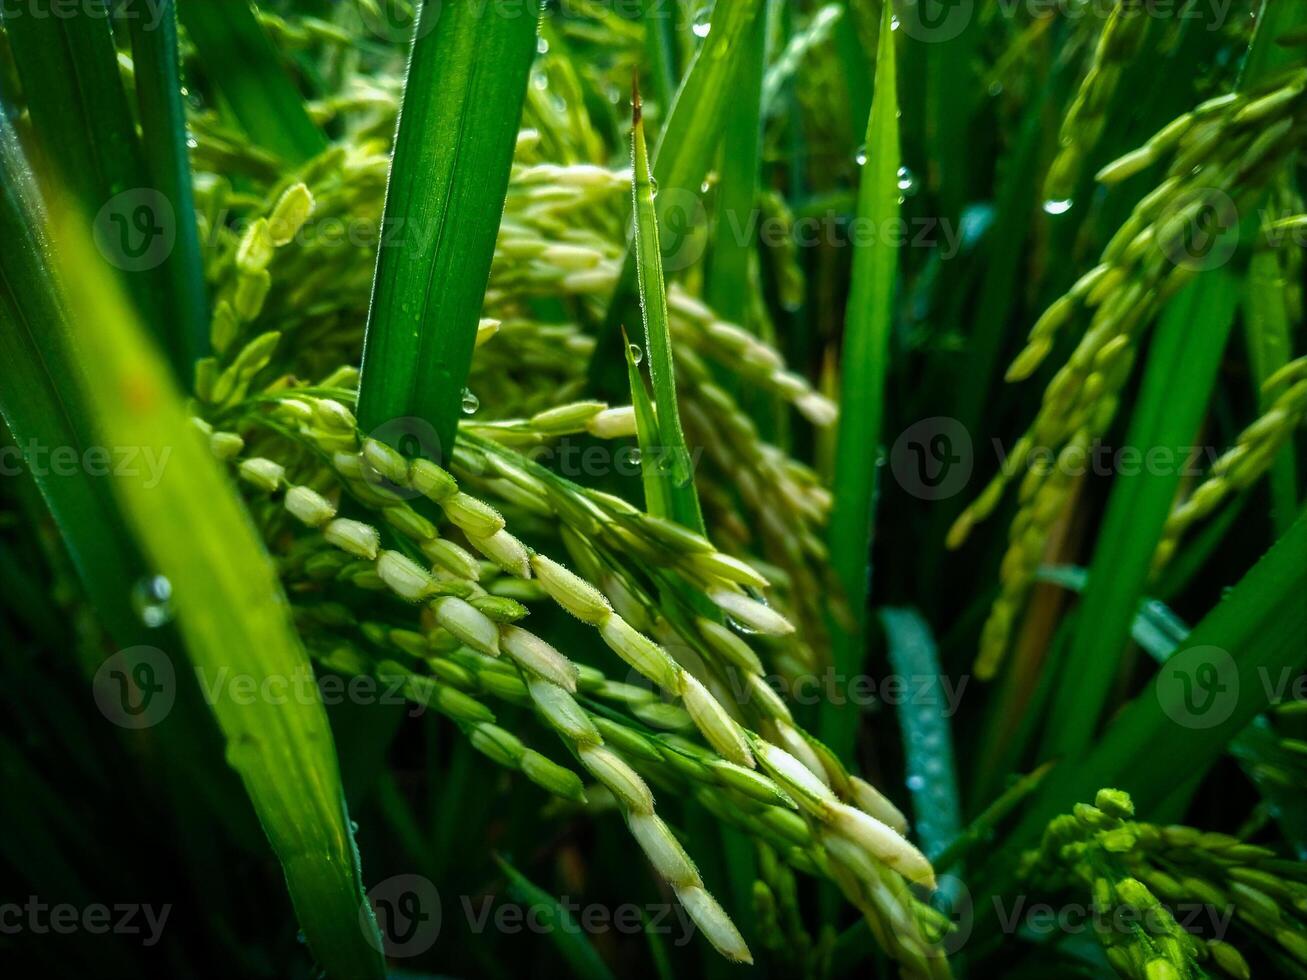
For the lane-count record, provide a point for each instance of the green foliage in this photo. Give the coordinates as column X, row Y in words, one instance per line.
column 618, row 623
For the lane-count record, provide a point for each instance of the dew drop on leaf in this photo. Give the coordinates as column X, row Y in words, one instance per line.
column 740, row 627
column 152, row 600
column 637, row 353
column 470, row 402
column 702, row 25
column 908, row 182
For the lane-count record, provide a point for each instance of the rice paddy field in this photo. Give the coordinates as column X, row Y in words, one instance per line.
column 653, row 489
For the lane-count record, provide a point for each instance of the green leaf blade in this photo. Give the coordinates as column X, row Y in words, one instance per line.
column 927, row 737
column 1269, row 337
column 244, row 65
column 449, row 177
column 87, row 155
column 672, row 454
column 1178, row 381
column 235, row 621
column 730, row 282
column 77, row 351
column 1153, row 748
column 167, row 162
column 38, row 404
column 680, row 164
column 568, row 937
column 864, row 368
column 646, row 430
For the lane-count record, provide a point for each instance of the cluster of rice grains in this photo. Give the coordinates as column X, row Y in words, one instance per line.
column 1122, row 37
column 562, row 239
column 693, row 712
column 761, row 772
column 1219, row 160
column 1143, row 879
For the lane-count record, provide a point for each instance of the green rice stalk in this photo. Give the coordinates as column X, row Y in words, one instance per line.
column 864, row 368
column 673, row 456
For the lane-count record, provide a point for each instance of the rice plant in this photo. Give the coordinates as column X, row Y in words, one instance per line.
column 653, row 488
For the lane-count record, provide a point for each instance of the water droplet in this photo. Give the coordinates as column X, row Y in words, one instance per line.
column 302, row 939
column 192, row 142
column 916, row 782
column 908, row 182
column 705, row 187
column 860, row 157
column 152, row 600
column 634, row 453
column 740, row 627
column 353, row 826
column 637, row 353
column 540, row 80
column 470, row 402
column 995, row 89
column 702, row 25
column 653, row 186
column 542, row 46
column 894, row 23
column 1056, row 207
